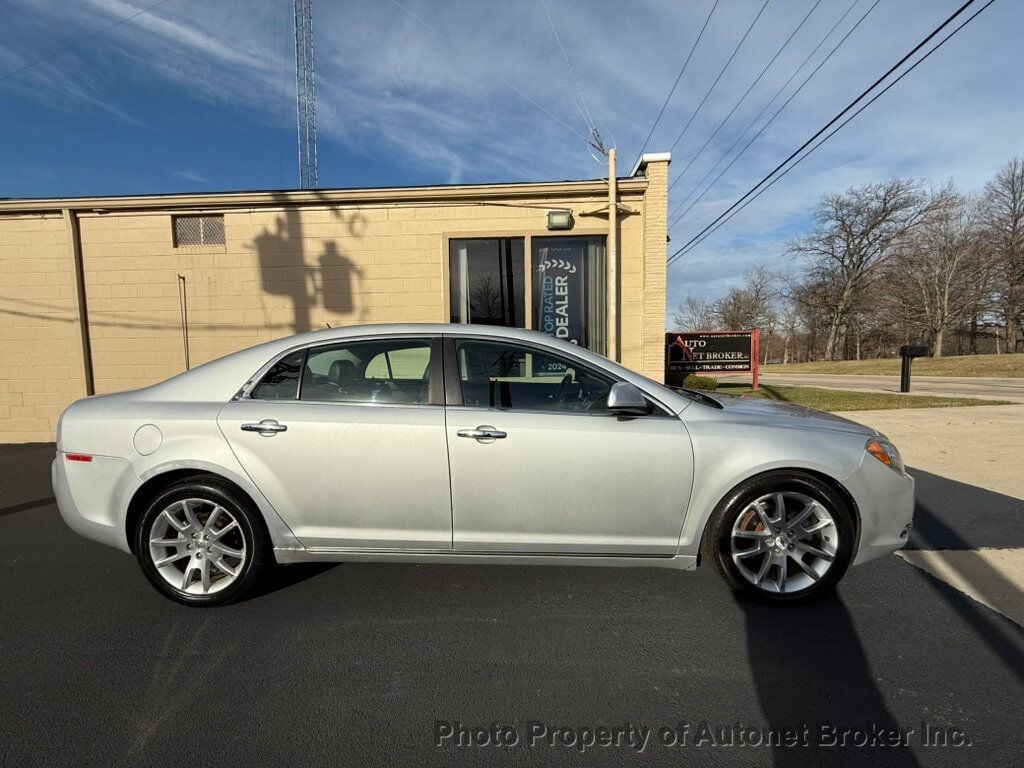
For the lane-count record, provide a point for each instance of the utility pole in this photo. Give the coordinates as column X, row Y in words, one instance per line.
column 305, row 94
column 613, row 257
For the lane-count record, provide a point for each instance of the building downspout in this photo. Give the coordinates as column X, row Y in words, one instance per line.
column 75, row 245
column 613, row 258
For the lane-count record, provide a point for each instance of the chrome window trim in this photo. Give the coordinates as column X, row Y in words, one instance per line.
column 353, row 403
column 659, row 414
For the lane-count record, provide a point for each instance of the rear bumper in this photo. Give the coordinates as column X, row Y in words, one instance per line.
column 885, row 500
column 90, row 496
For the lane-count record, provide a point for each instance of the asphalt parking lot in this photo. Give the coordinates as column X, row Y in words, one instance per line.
column 367, row 664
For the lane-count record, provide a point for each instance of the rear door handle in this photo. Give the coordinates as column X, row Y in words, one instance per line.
column 267, row 427
column 483, row 433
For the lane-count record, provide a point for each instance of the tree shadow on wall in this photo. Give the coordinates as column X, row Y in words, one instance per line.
column 331, row 282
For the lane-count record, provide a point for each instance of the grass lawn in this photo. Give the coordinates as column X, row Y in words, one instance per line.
column 1011, row 366
column 846, row 400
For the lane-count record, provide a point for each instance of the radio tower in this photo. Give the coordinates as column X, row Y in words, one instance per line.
column 305, row 94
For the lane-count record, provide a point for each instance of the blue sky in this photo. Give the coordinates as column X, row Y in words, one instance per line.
column 199, row 95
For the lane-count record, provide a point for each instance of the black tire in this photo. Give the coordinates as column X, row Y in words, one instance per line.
column 717, row 544
column 250, row 532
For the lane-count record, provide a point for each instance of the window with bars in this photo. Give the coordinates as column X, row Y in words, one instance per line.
column 197, row 230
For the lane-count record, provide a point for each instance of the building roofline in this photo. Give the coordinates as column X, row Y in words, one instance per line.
column 341, row 196
column 650, row 157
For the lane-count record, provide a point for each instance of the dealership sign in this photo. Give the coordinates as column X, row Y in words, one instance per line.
column 558, row 288
column 710, row 352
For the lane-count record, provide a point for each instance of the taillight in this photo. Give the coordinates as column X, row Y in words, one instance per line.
column 79, row 457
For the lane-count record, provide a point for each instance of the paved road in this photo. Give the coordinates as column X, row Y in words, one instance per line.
column 997, row 388
column 355, row 664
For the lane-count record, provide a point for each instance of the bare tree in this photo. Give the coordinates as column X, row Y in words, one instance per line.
column 807, row 300
column 751, row 306
column 485, row 300
column 790, row 321
column 1003, row 211
column 695, row 314
column 939, row 266
column 852, row 239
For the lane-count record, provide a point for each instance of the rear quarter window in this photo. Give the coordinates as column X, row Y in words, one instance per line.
column 281, row 382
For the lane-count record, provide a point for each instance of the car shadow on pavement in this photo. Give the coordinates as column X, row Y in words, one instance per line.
column 814, row 683
column 955, row 516
column 26, row 477
column 287, row 576
column 841, row 698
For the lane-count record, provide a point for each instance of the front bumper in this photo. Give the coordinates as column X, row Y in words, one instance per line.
column 90, row 496
column 885, row 501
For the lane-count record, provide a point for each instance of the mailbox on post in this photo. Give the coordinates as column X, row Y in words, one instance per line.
column 907, row 353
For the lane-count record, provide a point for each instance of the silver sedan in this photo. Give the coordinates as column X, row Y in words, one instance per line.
column 470, row 444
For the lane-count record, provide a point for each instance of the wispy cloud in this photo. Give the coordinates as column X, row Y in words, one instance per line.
column 388, row 87
column 192, row 176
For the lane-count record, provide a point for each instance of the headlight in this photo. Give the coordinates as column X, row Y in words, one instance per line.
column 886, row 453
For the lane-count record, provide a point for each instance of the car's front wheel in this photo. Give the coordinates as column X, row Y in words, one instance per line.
column 201, row 543
column 782, row 537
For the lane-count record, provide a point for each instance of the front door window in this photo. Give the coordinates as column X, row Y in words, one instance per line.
column 495, row 374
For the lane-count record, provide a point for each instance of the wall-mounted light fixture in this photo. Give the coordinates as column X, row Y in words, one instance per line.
column 560, row 218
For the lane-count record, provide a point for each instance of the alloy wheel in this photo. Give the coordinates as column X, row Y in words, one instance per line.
column 197, row 546
column 784, row 542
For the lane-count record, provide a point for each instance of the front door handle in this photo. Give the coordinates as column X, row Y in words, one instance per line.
column 483, row 433
column 266, row 428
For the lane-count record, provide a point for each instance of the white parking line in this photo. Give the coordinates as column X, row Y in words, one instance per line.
column 993, row 577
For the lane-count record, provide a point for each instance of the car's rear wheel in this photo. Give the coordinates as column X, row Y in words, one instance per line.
column 782, row 537
column 200, row 542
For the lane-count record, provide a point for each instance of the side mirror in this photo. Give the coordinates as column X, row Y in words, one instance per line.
column 625, row 399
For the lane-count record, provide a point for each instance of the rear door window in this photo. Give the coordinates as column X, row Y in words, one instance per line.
column 376, row 371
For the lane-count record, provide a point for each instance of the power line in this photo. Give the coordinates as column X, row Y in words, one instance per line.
column 491, row 72
column 673, row 217
column 544, row 46
column 746, row 93
column 722, row 72
column 585, row 112
column 672, row 90
column 85, row 39
column 835, row 119
column 694, row 242
column 683, row 251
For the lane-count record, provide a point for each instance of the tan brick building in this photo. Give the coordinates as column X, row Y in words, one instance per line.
column 105, row 294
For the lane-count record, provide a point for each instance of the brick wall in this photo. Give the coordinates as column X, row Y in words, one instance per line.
column 283, row 269
column 655, row 269
column 40, row 350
